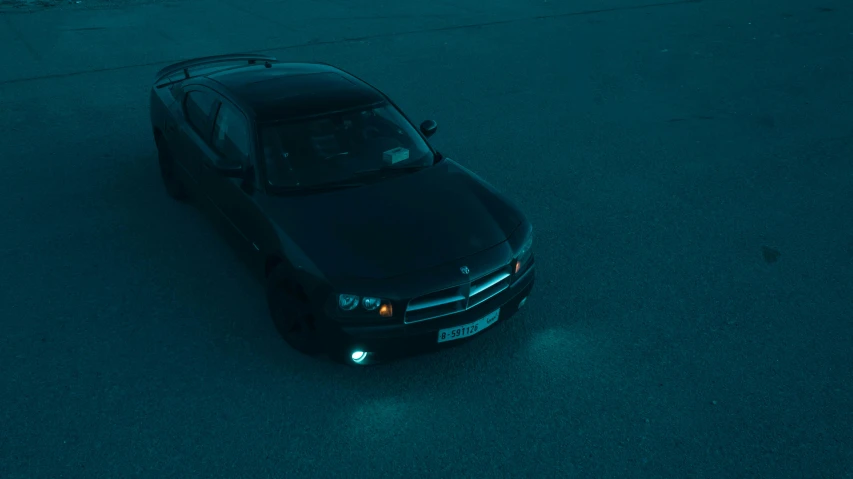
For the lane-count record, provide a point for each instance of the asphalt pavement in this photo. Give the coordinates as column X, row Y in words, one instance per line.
column 686, row 165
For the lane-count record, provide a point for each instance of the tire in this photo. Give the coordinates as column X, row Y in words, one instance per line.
column 168, row 172
column 291, row 315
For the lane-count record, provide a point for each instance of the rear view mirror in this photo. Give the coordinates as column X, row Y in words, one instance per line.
column 428, row 128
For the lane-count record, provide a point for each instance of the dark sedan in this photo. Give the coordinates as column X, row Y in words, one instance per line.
column 373, row 244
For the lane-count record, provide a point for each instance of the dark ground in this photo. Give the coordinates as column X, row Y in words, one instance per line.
column 688, row 170
column 29, row 6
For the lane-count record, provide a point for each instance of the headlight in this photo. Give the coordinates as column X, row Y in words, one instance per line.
column 350, row 302
column 371, row 303
column 524, row 255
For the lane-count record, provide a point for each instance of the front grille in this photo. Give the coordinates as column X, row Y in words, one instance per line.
column 458, row 298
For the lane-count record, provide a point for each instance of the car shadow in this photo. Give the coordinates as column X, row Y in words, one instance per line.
column 177, row 245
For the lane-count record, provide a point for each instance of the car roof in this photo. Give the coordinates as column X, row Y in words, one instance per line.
column 285, row 91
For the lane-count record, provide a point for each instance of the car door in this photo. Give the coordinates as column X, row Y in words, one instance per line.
column 233, row 198
column 190, row 138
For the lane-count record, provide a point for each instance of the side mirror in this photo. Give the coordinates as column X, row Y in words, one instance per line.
column 428, row 128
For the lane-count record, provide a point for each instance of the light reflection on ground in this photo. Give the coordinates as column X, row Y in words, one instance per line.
column 380, row 418
column 568, row 350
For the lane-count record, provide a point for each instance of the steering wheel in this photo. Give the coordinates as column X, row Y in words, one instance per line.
column 371, row 133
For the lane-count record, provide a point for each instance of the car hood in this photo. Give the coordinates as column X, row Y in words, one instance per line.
column 396, row 226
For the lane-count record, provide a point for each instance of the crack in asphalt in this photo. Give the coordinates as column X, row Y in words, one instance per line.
column 368, row 37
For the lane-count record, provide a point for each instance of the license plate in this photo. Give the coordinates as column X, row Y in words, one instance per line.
column 470, row 329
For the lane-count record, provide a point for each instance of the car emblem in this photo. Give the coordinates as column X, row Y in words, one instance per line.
column 464, row 270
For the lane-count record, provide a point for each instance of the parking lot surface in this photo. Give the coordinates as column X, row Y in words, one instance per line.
column 686, row 165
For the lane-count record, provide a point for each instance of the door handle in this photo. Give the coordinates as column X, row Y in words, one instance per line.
column 171, row 129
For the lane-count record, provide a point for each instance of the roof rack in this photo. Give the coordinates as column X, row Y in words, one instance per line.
column 185, row 65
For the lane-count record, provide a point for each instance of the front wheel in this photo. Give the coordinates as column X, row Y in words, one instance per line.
column 292, row 316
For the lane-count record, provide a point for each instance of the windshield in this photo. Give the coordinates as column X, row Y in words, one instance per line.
column 341, row 147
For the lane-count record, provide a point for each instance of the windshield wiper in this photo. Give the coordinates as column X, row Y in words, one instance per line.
column 334, row 185
column 353, row 181
column 391, row 168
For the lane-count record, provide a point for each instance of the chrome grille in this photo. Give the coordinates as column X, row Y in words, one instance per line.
column 458, row 298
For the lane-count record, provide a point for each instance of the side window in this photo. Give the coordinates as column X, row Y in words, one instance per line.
column 231, row 135
column 198, row 105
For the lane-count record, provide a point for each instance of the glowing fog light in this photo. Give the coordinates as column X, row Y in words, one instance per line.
column 358, row 356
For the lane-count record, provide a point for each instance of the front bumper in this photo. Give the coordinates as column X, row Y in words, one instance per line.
column 393, row 341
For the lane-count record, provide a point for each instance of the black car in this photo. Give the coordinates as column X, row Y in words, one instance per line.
column 373, row 244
